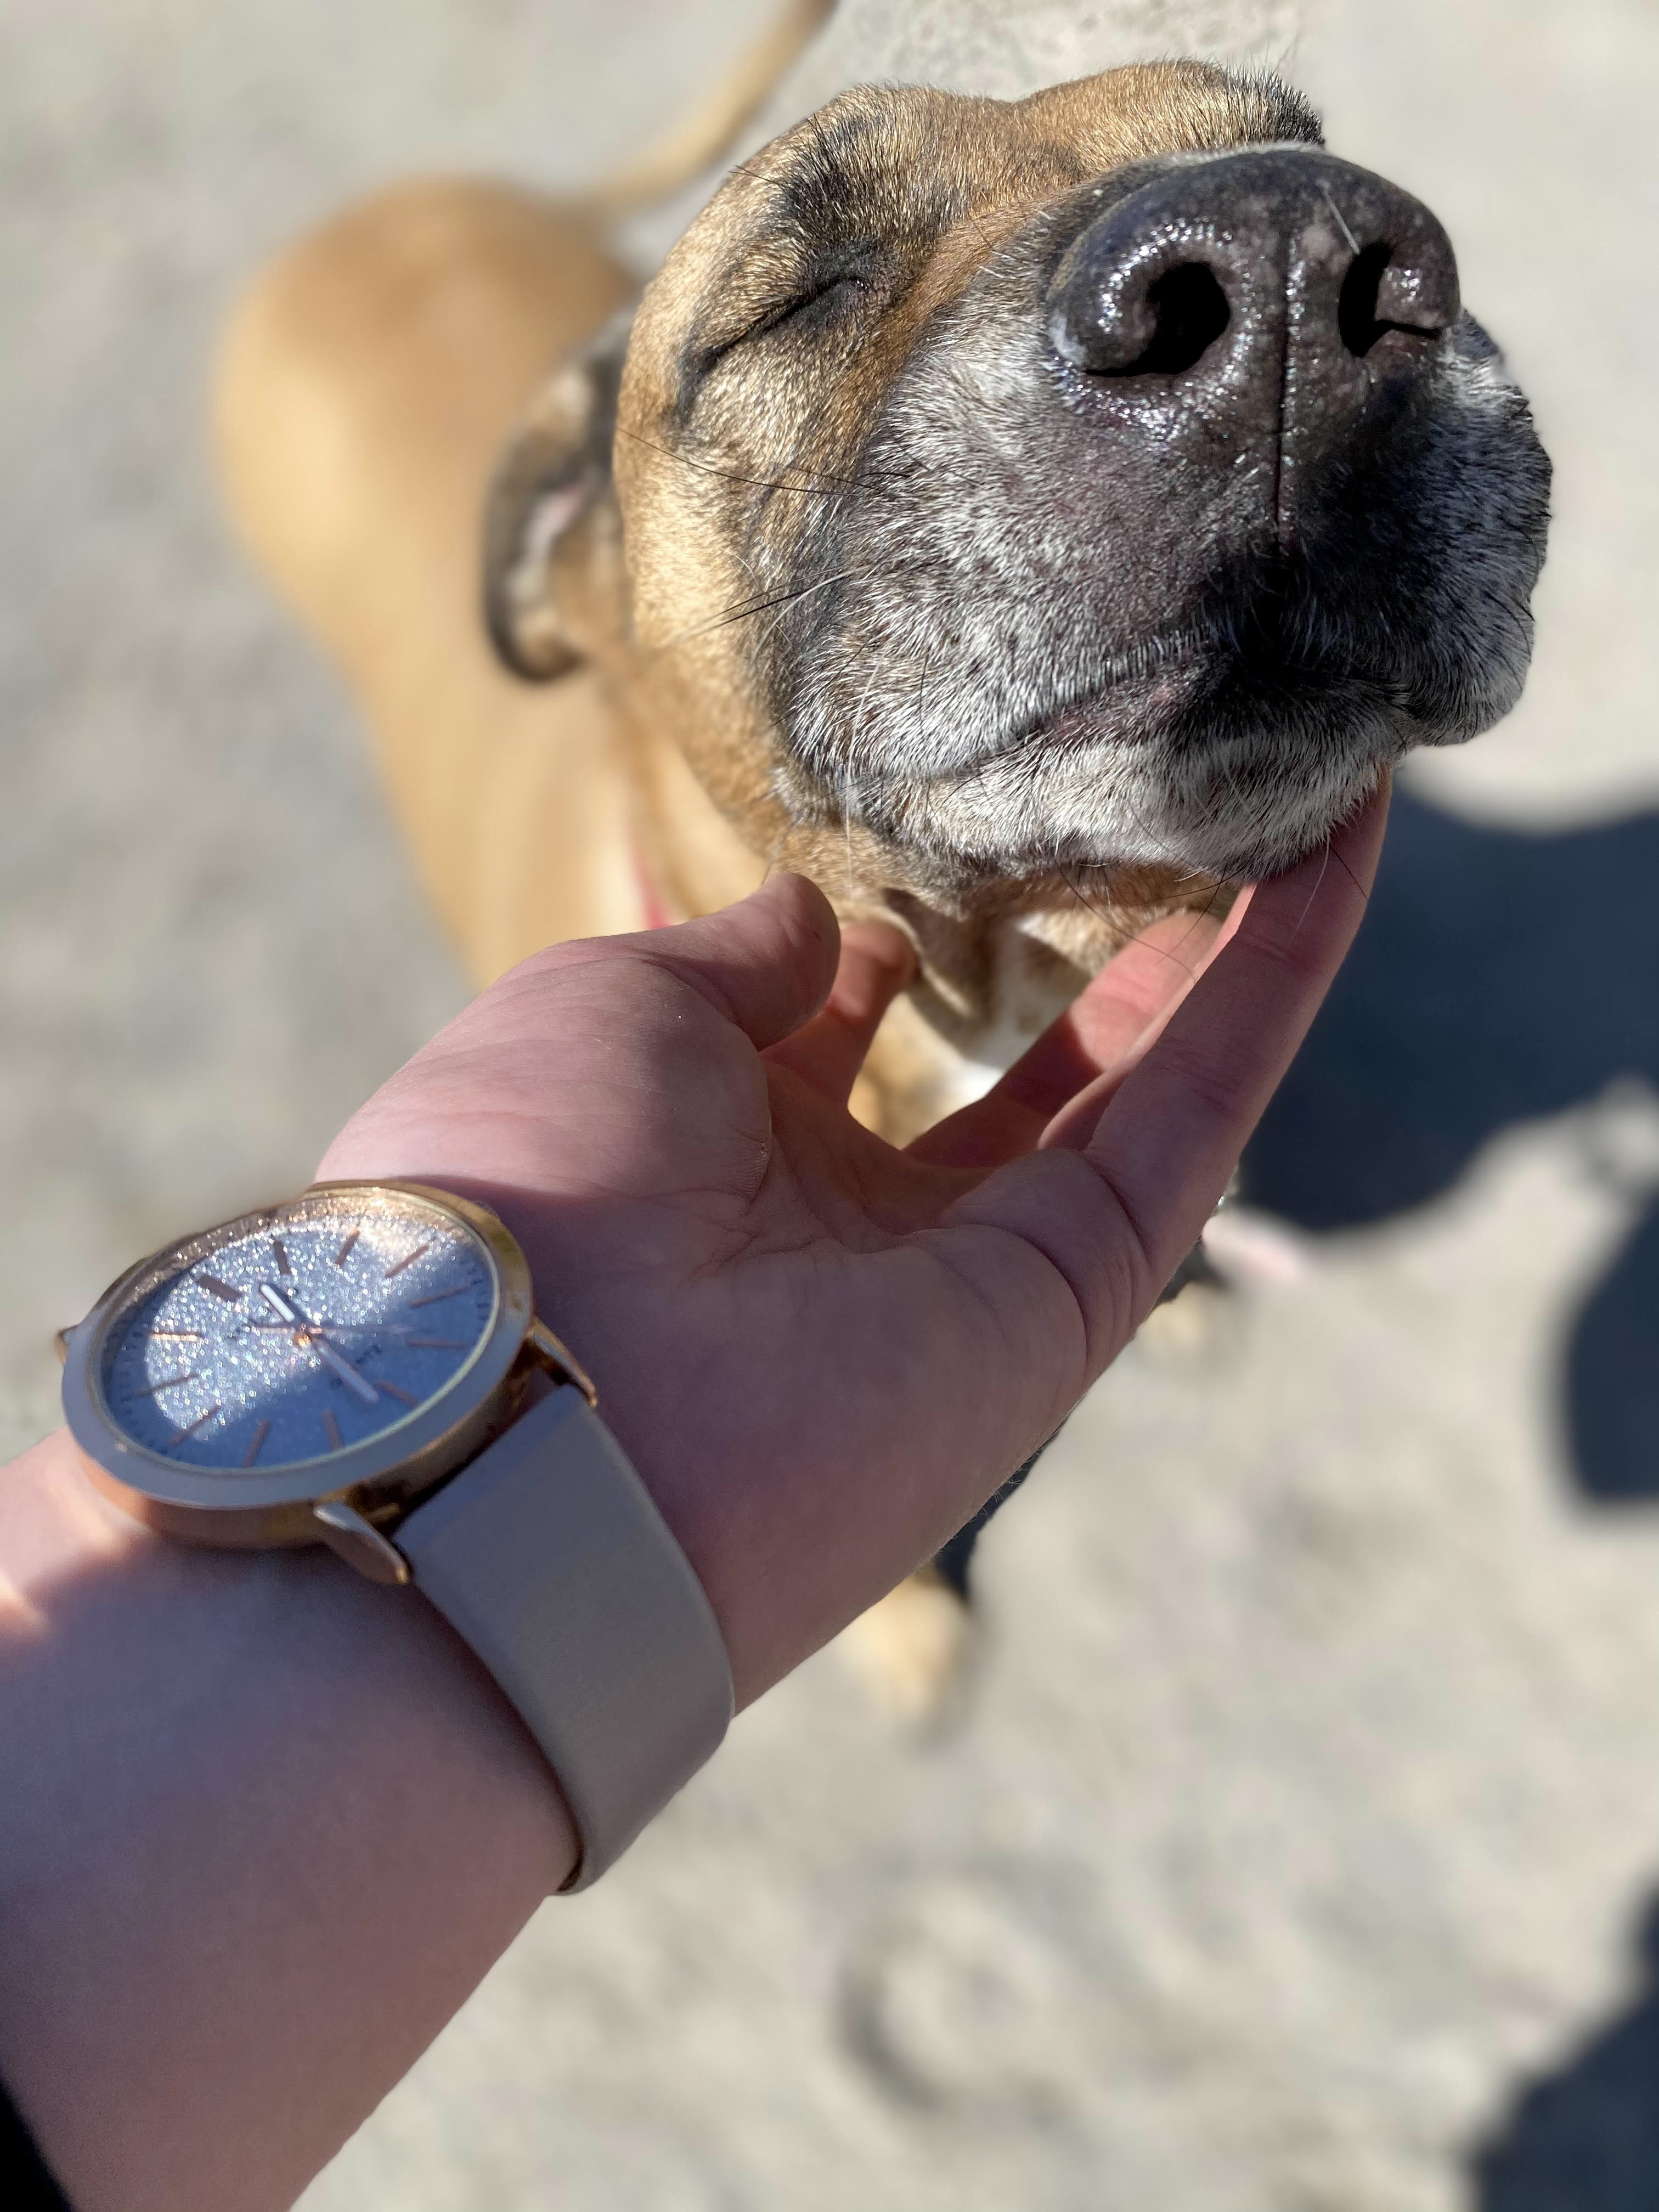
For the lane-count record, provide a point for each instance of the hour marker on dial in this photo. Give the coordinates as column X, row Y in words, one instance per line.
column 256, row 1445
column 433, row 1344
column 408, row 1261
column 436, row 1297
column 331, row 1429
column 281, row 1251
column 200, row 1420
column 228, row 1291
column 345, row 1252
column 395, row 1391
column 171, row 1382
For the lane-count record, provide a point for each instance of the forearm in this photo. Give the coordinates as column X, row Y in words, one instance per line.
column 265, row 1826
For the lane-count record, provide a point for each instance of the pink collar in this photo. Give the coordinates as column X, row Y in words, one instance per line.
column 657, row 915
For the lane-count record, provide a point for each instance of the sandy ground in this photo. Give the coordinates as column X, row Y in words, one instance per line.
column 1296, row 1848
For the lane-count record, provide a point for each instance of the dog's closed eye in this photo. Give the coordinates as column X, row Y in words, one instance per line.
column 830, row 283
column 821, row 297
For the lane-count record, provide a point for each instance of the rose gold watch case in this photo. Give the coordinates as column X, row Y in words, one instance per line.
column 381, row 1477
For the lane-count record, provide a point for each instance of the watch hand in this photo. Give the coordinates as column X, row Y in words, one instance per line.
column 309, row 1334
column 352, row 1327
column 347, row 1373
column 337, row 1327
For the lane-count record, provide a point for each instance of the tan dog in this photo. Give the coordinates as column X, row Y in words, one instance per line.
column 1023, row 517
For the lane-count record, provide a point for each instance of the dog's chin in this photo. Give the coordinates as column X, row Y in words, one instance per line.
column 1231, row 781
column 1179, row 772
column 1233, row 814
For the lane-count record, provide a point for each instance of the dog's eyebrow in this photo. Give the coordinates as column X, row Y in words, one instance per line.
column 841, row 177
column 822, row 190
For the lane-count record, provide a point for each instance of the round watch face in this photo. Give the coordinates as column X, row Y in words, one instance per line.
column 300, row 1351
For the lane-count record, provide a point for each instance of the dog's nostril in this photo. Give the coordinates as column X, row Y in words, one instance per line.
column 1356, row 318
column 1375, row 282
column 1191, row 312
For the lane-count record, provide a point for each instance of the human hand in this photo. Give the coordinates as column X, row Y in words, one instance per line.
column 822, row 1353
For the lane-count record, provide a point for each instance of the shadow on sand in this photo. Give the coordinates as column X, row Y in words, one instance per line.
column 1502, row 976
column 1585, row 2138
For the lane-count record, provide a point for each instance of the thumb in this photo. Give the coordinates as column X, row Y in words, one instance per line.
column 767, row 962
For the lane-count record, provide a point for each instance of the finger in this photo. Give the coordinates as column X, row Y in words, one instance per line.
column 1142, row 983
column 1113, row 1210
column 1075, row 1117
column 877, row 963
column 767, row 962
column 1181, row 1119
column 1291, row 938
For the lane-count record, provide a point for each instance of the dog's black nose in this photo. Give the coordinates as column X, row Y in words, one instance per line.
column 1271, row 291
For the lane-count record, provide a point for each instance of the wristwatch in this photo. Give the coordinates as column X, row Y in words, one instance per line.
column 363, row 1367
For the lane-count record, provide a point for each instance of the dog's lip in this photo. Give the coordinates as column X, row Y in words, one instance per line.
column 1173, row 656
column 1162, row 675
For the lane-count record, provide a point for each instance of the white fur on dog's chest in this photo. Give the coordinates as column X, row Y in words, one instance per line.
column 1025, row 997
column 961, row 1081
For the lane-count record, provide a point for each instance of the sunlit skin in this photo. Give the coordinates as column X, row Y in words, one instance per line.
column 278, row 1823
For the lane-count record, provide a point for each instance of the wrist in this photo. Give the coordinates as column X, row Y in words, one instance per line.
column 620, row 1351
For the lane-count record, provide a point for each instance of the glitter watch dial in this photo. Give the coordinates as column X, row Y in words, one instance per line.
column 292, row 1342
column 354, row 1342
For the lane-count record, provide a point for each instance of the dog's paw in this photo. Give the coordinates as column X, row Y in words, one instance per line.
column 912, row 1650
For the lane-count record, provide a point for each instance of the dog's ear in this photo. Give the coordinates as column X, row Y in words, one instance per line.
column 551, row 511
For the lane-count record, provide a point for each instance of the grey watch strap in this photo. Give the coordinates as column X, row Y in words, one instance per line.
column 548, row 1556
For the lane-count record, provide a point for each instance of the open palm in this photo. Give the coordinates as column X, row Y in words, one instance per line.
column 822, row 1353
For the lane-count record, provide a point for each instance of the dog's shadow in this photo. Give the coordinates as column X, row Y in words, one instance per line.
column 1501, row 977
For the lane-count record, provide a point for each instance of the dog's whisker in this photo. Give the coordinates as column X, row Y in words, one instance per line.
column 1324, row 863
column 1197, row 914
column 831, row 489
column 1364, row 896
column 785, row 604
column 754, row 607
column 1078, row 894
